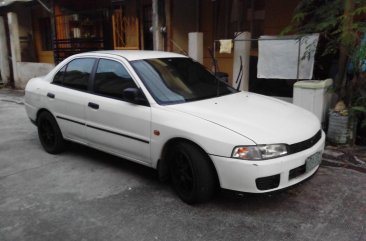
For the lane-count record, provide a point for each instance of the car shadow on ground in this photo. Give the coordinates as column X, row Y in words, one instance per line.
column 104, row 159
column 223, row 199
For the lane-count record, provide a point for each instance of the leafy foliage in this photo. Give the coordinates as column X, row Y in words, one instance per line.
column 359, row 57
column 339, row 22
column 359, row 108
column 329, row 18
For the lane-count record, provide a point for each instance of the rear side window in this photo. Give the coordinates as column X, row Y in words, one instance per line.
column 111, row 78
column 75, row 74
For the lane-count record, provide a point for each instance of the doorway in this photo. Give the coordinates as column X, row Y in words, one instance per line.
column 147, row 25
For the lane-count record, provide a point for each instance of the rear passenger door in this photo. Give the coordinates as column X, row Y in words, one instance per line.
column 68, row 97
column 113, row 124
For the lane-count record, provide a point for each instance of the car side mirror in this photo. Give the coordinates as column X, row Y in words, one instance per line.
column 134, row 95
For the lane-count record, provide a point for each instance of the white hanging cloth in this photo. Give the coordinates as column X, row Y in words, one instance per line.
column 278, row 57
column 225, row 46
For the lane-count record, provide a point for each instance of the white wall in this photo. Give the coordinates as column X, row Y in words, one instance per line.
column 4, row 54
column 27, row 70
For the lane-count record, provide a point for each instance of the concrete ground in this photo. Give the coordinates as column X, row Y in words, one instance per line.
column 83, row 194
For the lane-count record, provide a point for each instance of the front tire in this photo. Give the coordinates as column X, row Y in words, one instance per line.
column 49, row 133
column 192, row 173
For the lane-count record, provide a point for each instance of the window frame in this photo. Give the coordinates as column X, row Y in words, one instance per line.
column 91, row 76
column 92, row 82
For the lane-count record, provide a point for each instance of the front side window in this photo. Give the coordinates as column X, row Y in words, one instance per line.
column 59, row 77
column 111, row 79
column 179, row 80
column 77, row 73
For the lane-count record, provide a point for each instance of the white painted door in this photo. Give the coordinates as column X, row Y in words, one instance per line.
column 67, row 98
column 113, row 124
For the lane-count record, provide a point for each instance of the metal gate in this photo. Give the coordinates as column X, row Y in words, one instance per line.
column 125, row 30
column 77, row 33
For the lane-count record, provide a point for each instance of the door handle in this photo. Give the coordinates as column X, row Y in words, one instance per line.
column 93, row 105
column 50, row 95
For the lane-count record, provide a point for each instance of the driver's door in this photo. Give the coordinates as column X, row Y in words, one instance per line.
column 113, row 124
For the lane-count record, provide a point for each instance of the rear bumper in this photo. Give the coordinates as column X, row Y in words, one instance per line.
column 268, row 175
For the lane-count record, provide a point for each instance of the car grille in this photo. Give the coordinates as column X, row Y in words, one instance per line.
column 300, row 146
column 298, row 171
column 266, row 183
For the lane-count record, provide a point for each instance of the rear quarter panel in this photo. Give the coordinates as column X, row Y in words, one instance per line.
column 34, row 98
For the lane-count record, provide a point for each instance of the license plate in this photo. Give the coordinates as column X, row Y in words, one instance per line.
column 313, row 161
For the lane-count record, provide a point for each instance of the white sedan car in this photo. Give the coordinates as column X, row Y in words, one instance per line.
column 166, row 111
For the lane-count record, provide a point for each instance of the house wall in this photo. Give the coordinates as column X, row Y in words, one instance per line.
column 27, row 70
column 22, row 48
column 272, row 17
column 184, row 20
column 278, row 14
column 26, row 39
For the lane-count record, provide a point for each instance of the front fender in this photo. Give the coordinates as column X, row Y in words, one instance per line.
column 212, row 138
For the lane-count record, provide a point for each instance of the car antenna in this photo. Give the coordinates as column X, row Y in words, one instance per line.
column 240, row 75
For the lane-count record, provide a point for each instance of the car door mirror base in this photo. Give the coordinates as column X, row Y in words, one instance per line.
column 134, row 95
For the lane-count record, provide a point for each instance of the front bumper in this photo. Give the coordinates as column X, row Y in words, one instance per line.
column 243, row 175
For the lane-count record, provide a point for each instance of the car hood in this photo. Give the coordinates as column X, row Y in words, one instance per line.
column 262, row 119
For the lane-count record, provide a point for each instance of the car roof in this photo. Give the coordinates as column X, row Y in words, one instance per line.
column 131, row 55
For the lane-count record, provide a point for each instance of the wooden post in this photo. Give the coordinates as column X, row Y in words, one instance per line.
column 168, row 24
column 158, row 41
column 4, row 55
column 14, row 45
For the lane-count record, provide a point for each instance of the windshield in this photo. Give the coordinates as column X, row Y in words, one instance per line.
column 179, row 80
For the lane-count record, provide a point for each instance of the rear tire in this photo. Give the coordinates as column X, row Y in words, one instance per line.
column 192, row 174
column 49, row 133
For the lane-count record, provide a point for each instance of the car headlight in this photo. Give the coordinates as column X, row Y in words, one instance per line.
column 259, row 152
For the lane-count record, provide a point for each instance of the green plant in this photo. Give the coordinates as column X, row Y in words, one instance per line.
column 359, row 108
column 357, row 87
column 341, row 24
column 338, row 22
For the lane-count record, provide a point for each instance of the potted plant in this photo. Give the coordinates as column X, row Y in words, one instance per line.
column 344, row 121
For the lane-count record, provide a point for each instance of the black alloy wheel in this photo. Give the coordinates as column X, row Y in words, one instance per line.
column 192, row 173
column 182, row 173
column 49, row 133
